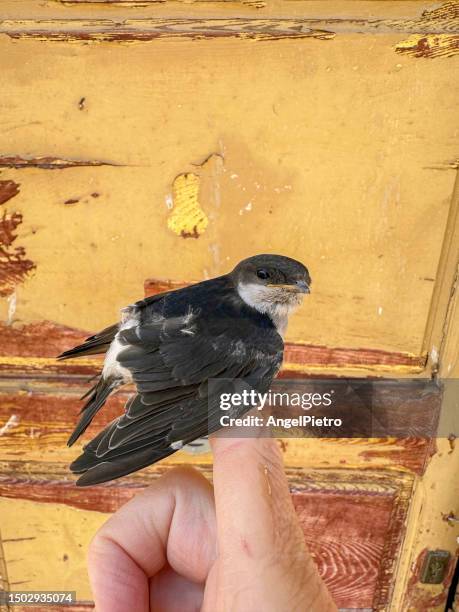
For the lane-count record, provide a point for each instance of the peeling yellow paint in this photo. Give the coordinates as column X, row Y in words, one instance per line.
column 277, row 160
column 187, row 219
column 429, row 45
column 331, row 368
column 47, row 362
column 42, row 362
column 33, row 532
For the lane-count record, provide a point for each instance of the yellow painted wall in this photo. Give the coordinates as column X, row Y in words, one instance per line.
column 339, row 149
column 333, row 152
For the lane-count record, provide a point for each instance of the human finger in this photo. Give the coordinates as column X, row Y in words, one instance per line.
column 263, row 559
column 171, row 592
column 172, row 521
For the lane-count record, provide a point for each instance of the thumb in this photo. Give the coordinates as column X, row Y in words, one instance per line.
column 262, row 554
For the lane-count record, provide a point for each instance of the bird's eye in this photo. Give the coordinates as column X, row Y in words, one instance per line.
column 263, row 274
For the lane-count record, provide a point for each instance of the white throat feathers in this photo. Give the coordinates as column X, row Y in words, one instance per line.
column 276, row 302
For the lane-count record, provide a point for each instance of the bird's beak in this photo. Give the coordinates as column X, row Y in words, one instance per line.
column 298, row 287
column 302, row 286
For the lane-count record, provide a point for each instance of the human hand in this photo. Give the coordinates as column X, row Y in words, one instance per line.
column 183, row 546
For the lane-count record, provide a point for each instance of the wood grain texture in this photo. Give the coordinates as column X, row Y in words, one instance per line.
column 441, row 21
column 429, row 46
column 438, row 491
column 145, row 3
column 432, row 45
column 411, row 453
column 47, row 162
column 15, row 266
column 347, row 520
column 355, row 540
column 34, row 347
column 41, row 339
column 8, row 189
column 37, row 417
column 149, row 30
column 302, row 356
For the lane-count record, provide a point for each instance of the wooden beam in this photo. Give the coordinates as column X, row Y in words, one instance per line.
column 441, row 20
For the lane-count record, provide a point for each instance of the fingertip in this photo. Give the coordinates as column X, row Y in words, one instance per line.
column 251, row 450
column 184, row 475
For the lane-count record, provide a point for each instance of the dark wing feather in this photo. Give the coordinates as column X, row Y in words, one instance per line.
column 93, row 345
column 99, row 343
column 171, row 362
column 98, row 394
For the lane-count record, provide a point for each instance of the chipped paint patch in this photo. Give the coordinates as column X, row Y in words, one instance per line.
column 434, row 357
column 8, row 189
column 12, row 422
column 12, row 303
column 153, row 286
column 144, row 3
column 437, row 33
column 451, row 164
column 14, row 266
column 247, row 208
column 47, row 163
column 430, row 45
column 445, row 14
column 187, row 219
column 144, row 30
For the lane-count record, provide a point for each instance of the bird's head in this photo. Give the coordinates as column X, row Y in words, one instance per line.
column 272, row 284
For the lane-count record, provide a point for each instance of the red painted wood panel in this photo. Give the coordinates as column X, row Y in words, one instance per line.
column 352, row 525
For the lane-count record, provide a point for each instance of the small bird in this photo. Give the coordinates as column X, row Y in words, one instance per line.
column 170, row 345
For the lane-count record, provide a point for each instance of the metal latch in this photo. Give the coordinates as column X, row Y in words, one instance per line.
column 435, row 566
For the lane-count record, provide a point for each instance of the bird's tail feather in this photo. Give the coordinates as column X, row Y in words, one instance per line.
column 97, row 397
column 102, row 471
column 93, row 345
